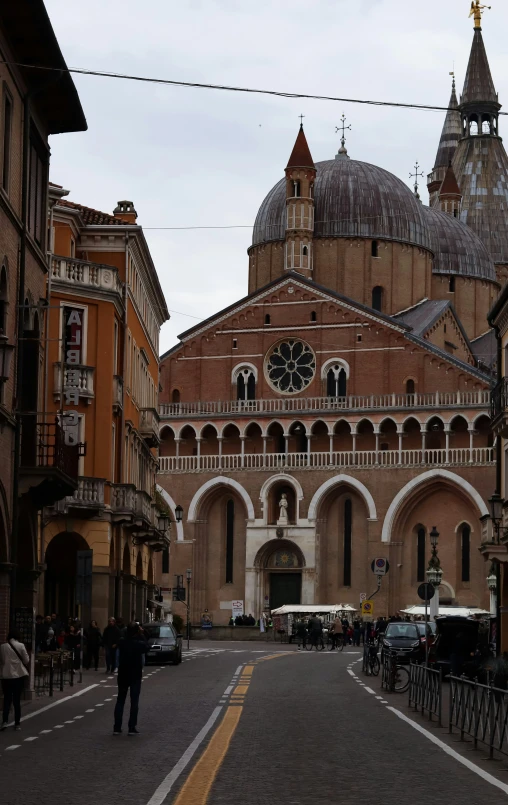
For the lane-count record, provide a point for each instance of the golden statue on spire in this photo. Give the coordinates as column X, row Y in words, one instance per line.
column 477, row 12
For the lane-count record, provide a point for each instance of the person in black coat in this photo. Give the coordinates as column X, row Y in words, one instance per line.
column 93, row 644
column 132, row 650
column 111, row 639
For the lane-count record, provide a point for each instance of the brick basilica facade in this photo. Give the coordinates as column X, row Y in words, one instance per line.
column 351, row 383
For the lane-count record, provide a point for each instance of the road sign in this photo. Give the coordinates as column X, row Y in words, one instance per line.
column 363, row 597
column 426, row 591
column 380, row 567
column 236, row 608
column 367, row 607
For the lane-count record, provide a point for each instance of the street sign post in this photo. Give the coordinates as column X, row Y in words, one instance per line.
column 380, row 566
column 368, row 608
column 426, row 591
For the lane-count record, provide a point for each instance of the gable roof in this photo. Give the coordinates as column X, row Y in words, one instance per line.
column 392, row 322
column 422, row 316
column 485, row 349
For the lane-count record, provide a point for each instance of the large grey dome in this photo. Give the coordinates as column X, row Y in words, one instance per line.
column 352, row 199
column 457, row 249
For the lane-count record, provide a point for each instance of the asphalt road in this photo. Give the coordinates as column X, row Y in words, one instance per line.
column 241, row 724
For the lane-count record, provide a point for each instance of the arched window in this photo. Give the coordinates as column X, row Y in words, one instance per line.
column 230, row 525
column 297, row 189
column 465, row 547
column 336, row 381
column 305, row 251
column 267, row 319
column 375, row 248
column 420, row 555
column 486, row 125
column 348, row 527
column 313, row 316
column 175, row 396
column 246, row 384
column 410, row 387
column 473, row 126
column 451, row 283
column 377, row 298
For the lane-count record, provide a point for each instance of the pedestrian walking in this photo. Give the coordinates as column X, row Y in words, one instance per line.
column 132, row 650
column 301, row 634
column 14, row 662
column 93, row 644
column 356, row 632
column 111, row 639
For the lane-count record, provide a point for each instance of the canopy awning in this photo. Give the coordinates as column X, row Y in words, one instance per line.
column 312, row 609
column 461, row 612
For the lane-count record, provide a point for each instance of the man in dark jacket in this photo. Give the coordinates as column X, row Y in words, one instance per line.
column 133, row 647
column 111, row 639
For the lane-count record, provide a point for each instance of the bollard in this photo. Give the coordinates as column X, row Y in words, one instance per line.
column 51, row 675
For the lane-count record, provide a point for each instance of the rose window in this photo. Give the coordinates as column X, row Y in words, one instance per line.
column 291, row 366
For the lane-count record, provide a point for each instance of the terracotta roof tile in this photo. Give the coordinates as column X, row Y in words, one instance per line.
column 93, row 217
column 450, row 185
column 300, row 155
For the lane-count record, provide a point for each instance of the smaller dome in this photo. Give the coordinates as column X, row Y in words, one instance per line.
column 457, row 249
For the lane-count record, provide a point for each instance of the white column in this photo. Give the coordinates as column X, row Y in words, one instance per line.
column 331, row 448
column 251, row 599
column 264, row 450
column 423, row 431
column 219, row 439
column 286, row 440
column 376, row 434
column 471, row 437
column 177, row 443
column 242, row 440
column 447, row 445
column 400, row 432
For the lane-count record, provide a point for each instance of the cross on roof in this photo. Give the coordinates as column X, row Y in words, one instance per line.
column 301, row 119
column 342, row 128
column 415, row 176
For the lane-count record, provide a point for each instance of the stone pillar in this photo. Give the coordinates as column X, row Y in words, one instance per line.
column 308, row 586
column 423, row 430
column 286, row 443
column 102, row 606
column 242, row 448
column 331, row 448
column 400, row 433
column 252, row 595
column 198, row 445
column 177, row 443
column 264, row 450
column 309, row 439
column 447, row 445
column 376, row 434
column 220, row 440
column 471, row 438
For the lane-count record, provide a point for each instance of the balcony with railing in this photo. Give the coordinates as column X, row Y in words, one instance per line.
column 87, row 499
column 326, row 405
column 499, row 407
column 48, row 466
column 83, row 274
column 76, row 377
column 359, row 459
column 149, row 426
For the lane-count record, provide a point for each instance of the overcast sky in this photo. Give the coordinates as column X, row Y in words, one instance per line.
column 193, row 157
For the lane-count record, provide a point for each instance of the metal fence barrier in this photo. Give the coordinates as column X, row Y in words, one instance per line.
column 480, row 711
column 389, row 669
column 52, row 672
column 426, row 690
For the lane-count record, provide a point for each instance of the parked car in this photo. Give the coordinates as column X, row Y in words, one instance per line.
column 449, row 627
column 405, row 639
column 165, row 645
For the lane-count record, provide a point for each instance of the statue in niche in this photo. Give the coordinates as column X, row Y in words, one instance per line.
column 283, row 510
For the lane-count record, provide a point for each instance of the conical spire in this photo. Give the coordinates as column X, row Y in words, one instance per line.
column 450, row 185
column 300, row 155
column 451, row 132
column 478, row 86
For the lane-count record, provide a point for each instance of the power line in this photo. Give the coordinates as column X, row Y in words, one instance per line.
column 226, row 88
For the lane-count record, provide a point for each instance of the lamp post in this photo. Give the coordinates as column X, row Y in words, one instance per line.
column 434, row 573
column 189, row 577
column 178, row 514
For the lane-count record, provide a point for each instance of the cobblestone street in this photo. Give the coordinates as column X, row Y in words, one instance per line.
column 249, row 724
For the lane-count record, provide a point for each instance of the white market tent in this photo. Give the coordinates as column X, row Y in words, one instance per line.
column 312, row 609
column 462, row 612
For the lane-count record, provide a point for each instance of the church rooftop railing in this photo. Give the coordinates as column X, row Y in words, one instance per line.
column 462, row 456
column 371, row 402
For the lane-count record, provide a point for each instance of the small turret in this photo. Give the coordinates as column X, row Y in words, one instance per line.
column 450, row 137
column 300, row 177
column 450, row 197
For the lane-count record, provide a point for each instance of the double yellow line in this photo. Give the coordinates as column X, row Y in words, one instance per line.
column 199, row 782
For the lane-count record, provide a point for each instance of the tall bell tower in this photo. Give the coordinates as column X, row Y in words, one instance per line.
column 300, row 176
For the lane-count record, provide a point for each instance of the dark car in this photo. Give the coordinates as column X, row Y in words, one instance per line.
column 453, row 630
column 405, row 639
column 165, row 645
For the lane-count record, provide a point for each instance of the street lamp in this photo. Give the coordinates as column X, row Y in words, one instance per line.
column 496, row 512
column 162, row 523
column 189, row 577
column 434, row 573
column 178, row 514
column 6, row 351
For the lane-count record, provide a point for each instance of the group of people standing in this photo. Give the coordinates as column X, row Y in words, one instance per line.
column 52, row 634
column 340, row 629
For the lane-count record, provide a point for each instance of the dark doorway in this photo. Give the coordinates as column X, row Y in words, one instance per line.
column 60, row 576
column 285, row 588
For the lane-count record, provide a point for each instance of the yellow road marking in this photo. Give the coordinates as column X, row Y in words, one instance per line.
column 241, row 689
column 199, row 782
column 247, row 670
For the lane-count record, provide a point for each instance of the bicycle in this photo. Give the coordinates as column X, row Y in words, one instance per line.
column 318, row 642
column 336, row 642
column 373, row 659
column 398, row 675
